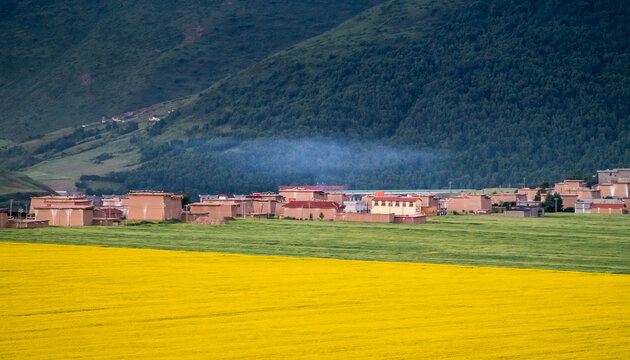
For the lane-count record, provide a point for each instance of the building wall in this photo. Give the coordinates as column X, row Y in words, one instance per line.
column 303, row 195
column 65, row 217
column 589, row 194
column 530, row 194
column 153, row 206
column 509, row 197
column 582, row 208
column 4, row 219
column 568, row 200
column 614, row 175
column 303, row 213
column 410, row 220
column 355, row 207
column 569, row 187
column 522, row 213
column 145, row 207
column 607, row 211
column 615, row 190
column 172, row 207
column 467, row 203
column 27, row 224
column 365, row 217
column 337, row 197
column 44, row 201
column 215, row 211
column 390, row 207
column 429, row 210
column 429, row 200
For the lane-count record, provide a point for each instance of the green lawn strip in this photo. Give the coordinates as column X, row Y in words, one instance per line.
column 562, row 242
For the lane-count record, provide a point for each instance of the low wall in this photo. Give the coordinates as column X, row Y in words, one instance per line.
column 417, row 219
column 27, row 224
column 363, row 217
column 4, row 219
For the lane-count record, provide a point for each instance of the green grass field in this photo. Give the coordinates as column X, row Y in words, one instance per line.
column 563, row 242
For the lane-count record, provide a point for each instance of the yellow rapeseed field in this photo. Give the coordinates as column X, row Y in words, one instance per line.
column 66, row 302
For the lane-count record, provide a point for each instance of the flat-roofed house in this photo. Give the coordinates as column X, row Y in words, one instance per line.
column 299, row 194
column 609, row 209
column 507, row 198
column 477, row 203
column 569, row 187
column 613, row 176
column 44, row 201
column 396, row 205
column 214, row 210
column 600, row 206
column 312, row 210
column 64, row 214
column 153, row 205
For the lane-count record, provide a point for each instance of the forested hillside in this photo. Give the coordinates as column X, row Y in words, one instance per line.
column 506, row 91
column 66, row 63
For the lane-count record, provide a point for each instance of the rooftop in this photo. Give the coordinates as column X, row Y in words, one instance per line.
column 313, row 205
column 395, row 198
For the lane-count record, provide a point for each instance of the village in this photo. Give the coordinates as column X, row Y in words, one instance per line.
column 610, row 195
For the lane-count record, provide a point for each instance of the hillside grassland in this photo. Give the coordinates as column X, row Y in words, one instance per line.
column 561, row 242
column 66, row 63
column 98, row 303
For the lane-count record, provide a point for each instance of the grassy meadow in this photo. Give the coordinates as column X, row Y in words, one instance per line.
column 560, row 242
column 62, row 302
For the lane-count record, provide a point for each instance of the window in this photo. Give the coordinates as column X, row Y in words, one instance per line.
column 404, row 204
column 390, row 203
column 382, row 203
column 375, row 203
column 397, row 203
column 410, row 203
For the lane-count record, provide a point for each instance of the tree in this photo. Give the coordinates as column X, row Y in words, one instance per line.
column 550, row 203
column 537, row 197
column 321, row 216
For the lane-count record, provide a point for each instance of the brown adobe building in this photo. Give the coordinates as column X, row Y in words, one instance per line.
column 477, row 203
column 153, row 206
column 65, row 215
column 569, row 187
column 507, row 198
column 298, row 194
column 214, row 210
column 312, row 209
column 62, row 210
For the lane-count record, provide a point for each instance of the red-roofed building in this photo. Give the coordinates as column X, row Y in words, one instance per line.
column 607, row 208
column 325, row 210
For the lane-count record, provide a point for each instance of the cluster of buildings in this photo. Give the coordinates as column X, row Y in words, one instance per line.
column 611, row 195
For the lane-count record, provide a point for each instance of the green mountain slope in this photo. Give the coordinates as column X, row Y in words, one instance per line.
column 510, row 89
column 20, row 188
column 66, row 63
